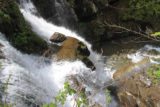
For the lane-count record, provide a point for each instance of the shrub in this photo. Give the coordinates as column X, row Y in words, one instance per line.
column 143, row 9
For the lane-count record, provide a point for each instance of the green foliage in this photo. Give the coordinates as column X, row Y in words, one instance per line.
column 81, row 98
column 18, row 32
column 6, row 105
column 156, row 34
column 4, row 17
column 154, row 74
column 50, row 105
column 108, row 97
column 143, row 9
column 71, row 2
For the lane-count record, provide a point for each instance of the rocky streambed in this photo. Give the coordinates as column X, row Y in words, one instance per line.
column 136, row 78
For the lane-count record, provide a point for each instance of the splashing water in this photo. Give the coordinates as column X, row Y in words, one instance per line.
column 144, row 52
column 46, row 29
column 31, row 81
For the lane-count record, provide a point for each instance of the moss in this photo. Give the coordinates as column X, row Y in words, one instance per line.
column 5, row 105
column 142, row 10
column 18, row 32
column 154, row 74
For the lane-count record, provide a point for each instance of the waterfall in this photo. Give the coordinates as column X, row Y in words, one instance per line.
column 31, row 81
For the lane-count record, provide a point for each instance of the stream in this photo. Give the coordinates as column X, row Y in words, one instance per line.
column 30, row 81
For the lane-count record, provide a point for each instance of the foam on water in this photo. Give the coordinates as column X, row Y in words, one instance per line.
column 32, row 81
column 46, row 29
column 30, row 78
column 143, row 52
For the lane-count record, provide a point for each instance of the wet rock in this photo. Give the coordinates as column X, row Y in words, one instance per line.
column 58, row 37
column 131, row 68
column 70, row 49
column 139, row 88
column 85, row 9
column 132, row 92
column 153, row 52
column 82, row 49
column 88, row 63
column 56, row 11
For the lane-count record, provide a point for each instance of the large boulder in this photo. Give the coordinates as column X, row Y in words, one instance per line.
column 137, row 85
column 71, row 49
column 135, row 92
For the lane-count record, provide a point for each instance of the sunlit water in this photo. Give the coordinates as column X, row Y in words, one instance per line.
column 32, row 81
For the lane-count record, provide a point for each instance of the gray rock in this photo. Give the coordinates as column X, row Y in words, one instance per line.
column 58, row 37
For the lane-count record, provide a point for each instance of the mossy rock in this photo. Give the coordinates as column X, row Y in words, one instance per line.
column 17, row 31
column 154, row 74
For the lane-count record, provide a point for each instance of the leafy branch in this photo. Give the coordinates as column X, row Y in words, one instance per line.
column 148, row 36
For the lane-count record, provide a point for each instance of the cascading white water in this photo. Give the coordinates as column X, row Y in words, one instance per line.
column 142, row 53
column 32, row 81
column 46, row 29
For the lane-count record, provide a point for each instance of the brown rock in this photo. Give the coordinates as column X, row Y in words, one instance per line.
column 132, row 92
column 58, row 37
column 72, row 49
column 68, row 49
column 131, row 67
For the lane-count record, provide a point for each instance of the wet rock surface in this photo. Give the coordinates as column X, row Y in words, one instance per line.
column 70, row 49
column 139, row 89
column 133, row 92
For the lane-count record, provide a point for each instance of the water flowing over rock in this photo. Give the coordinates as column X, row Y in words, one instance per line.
column 17, row 30
column 71, row 49
column 57, row 11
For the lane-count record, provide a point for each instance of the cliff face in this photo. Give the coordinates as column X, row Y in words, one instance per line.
column 57, row 11
column 17, row 31
column 93, row 15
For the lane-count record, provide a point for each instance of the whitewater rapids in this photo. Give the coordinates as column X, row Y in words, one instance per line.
column 32, row 82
